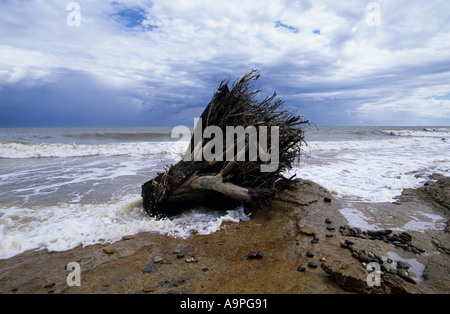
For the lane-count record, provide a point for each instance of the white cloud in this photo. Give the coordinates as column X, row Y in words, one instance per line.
column 406, row 108
column 368, row 69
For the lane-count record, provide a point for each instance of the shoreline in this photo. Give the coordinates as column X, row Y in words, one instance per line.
column 282, row 229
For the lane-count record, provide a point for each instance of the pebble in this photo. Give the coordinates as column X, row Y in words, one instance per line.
column 314, row 241
column 309, row 254
column 402, row 265
column 308, row 231
column 191, row 260
column 130, row 237
column 364, row 258
column 402, row 273
column 386, row 268
column 331, row 228
column 49, row 285
column 176, row 251
column 312, row 264
column 328, row 221
column 327, row 200
column 379, row 233
column 348, row 242
column 108, row 250
column 157, row 259
column 253, row 255
column 149, row 288
column 301, row 268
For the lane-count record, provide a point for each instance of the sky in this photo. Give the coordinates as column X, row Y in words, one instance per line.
column 158, row 63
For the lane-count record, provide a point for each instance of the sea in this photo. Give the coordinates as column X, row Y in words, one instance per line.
column 65, row 187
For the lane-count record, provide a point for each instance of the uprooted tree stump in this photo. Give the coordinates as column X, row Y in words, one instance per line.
column 244, row 167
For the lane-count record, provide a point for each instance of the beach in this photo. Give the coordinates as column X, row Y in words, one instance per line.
column 73, row 196
column 218, row 263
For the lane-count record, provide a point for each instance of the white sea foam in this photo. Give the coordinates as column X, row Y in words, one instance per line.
column 64, row 226
column 393, row 143
column 423, row 132
column 45, row 150
column 376, row 170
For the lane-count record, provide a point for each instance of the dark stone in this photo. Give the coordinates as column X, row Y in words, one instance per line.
column 405, row 237
column 378, row 259
column 309, row 254
column 348, row 242
column 312, row 264
column 301, row 268
column 253, row 255
column 364, row 258
column 379, row 233
column 314, row 241
column 49, row 285
column 418, row 249
column 405, row 277
column 331, row 228
column 327, row 200
column 402, row 265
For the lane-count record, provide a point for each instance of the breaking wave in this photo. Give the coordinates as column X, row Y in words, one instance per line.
column 67, row 225
column 420, row 132
column 45, row 150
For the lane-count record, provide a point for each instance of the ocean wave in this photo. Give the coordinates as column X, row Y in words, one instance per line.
column 371, row 144
column 17, row 150
column 122, row 136
column 422, row 132
column 65, row 226
column 44, row 150
column 374, row 171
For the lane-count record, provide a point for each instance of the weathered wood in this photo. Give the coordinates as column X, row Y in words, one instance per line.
column 231, row 181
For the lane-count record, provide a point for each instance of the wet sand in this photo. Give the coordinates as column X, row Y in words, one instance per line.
column 218, row 263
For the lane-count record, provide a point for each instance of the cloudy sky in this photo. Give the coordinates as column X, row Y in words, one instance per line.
column 157, row 63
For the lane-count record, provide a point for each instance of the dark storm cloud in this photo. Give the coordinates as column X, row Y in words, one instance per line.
column 158, row 63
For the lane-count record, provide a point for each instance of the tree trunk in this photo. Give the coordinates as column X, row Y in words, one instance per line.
column 238, row 169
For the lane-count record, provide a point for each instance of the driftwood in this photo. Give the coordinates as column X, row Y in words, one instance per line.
column 244, row 167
